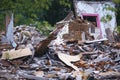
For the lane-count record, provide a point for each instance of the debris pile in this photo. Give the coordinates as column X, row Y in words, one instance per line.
column 24, row 37
column 27, row 35
column 98, row 59
column 65, row 55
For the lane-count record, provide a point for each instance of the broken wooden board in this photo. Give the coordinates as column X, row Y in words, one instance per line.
column 93, row 41
column 67, row 59
column 13, row 54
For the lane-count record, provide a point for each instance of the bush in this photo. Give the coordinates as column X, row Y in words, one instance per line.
column 44, row 27
column 118, row 29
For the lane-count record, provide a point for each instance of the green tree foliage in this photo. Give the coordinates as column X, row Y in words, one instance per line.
column 118, row 15
column 2, row 22
column 25, row 11
column 108, row 17
column 58, row 11
column 118, row 11
column 116, row 1
column 33, row 11
column 44, row 27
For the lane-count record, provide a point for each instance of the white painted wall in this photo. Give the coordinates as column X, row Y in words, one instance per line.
column 97, row 8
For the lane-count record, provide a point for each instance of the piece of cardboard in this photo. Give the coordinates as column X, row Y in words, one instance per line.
column 13, row 54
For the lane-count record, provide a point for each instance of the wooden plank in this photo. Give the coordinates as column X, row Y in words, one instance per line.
column 13, row 54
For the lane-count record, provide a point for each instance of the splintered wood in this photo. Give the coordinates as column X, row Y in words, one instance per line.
column 67, row 59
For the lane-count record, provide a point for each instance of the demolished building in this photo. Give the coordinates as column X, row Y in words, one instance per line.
column 89, row 24
column 96, row 11
column 75, row 50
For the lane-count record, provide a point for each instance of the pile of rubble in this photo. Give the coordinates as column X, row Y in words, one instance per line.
column 97, row 59
column 63, row 55
column 24, row 37
column 27, row 35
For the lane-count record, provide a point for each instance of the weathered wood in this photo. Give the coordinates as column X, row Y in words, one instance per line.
column 110, row 75
column 93, row 41
column 26, row 76
column 67, row 59
column 13, row 54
